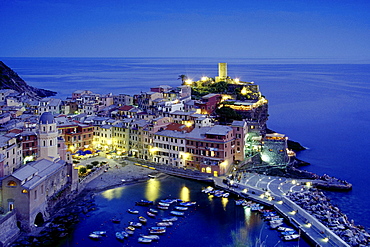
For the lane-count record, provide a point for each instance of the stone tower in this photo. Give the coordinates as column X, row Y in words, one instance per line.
column 222, row 72
column 48, row 137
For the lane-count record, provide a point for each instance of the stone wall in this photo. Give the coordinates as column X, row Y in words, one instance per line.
column 9, row 229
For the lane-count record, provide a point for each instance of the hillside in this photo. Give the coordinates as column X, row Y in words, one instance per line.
column 10, row 80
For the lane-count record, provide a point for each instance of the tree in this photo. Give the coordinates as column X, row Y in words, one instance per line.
column 183, row 79
column 227, row 114
column 82, row 170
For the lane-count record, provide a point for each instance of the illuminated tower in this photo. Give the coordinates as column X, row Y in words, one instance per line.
column 222, row 72
column 48, row 137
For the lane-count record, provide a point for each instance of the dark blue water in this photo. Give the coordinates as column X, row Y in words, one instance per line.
column 212, row 222
column 323, row 106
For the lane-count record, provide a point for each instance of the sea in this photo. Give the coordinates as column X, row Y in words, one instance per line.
column 321, row 103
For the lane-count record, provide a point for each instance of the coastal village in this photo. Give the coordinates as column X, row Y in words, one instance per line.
column 214, row 127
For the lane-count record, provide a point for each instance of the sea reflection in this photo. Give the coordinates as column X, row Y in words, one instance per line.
column 224, row 202
column 113, row 193
column 152, row 189
column 185, row 194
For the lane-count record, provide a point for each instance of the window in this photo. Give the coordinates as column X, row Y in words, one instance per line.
column 12, row 183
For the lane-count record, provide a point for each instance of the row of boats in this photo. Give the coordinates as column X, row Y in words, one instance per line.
column 178, row 208
column 217, row 193
column 274, row 220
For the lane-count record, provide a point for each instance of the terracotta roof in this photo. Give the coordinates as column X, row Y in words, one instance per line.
column 125, row 108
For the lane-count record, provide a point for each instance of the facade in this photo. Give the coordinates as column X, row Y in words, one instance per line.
column 210, row 149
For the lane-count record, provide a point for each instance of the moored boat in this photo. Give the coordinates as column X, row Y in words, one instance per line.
column 150, row 214
column 102, row 233
column 119, row 236
column 177, row 213
column 283, row 228
column 162, row 207
column 116, row 221
column 131, row 211
column 94, row 236
column 152, row 210
column 158, row 228
column 181, row 208
column 144, row 203
column 167, row 223
column 187, row 204
column 164, row 204
column 142, row 219
column 144, row 240
column 135, row 224
column 152, row 237
column 291, row 237
column 171, row 219
column 157, row 231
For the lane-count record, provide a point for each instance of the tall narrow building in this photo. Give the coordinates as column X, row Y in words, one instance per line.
column 48, row 137
column 222, row 72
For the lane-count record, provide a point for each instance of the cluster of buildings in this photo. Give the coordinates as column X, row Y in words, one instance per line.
column 41, row 138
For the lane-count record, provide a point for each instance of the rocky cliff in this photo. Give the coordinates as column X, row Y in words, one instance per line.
column 10, row 80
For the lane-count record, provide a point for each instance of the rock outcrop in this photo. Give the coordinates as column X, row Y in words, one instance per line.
column 10, row 80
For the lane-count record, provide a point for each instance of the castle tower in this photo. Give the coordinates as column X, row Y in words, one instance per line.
column 48, row 137
column 222, row 72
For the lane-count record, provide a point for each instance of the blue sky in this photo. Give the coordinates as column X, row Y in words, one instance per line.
column 202, row 28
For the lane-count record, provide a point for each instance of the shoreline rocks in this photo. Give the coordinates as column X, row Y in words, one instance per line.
column 317, row 204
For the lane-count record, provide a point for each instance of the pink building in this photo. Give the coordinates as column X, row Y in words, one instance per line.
column 210, row 149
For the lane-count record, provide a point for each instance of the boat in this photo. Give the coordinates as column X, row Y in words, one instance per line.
column 170, row 219
column 131, row 211
column 142, row 219
column 164, row 204
column 162, row 207
column 291, row 237
column 94, row 236
column 276, row 225
column 152, row 237
column 151, row 176
column 167, row 223
column 157, row 231
column 187, row 204
column 130, row 228
column 102, row 233
column 158, row 228
column 135, row 224
column 125, row 234
column 120, row 236
column 280, row 220
column 225, row 195
column 144, row 240
column 256, row 207
column 181, row 208
column 116, row 221
column 129, row 232
column 288, row 232
column 144, row 203
column 208, row 189
column 283, row 229
column 177, row 213
column 150, row 214
column 168, row 200
column 239, row 202
column 152, row 210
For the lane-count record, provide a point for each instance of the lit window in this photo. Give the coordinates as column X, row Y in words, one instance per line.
column 12, row 183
